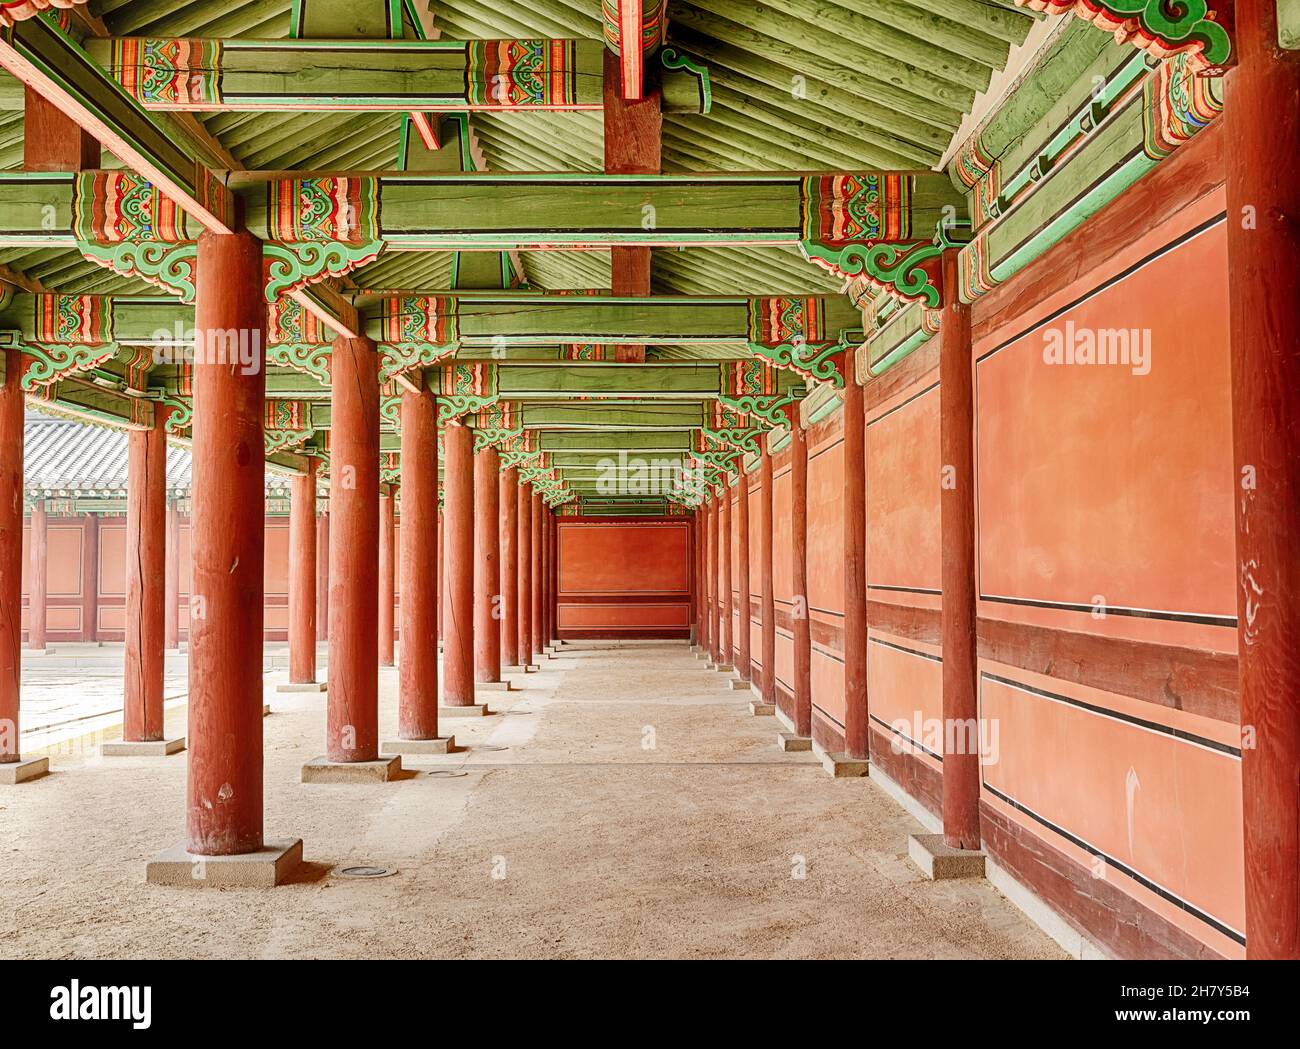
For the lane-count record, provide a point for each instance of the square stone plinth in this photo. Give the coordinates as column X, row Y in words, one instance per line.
column 416, row 747
column 722, row 668
column 14, row 772
column 492, row 686
column 264, row 869
column 939, row 862
column 792, row 744
column 841, row 766
column 738, row 686
column 322, row 770
column 473, row 710
column 762, row 710
column 303, row 686
column 153, row 748
column 266, row 710
column 525, row 668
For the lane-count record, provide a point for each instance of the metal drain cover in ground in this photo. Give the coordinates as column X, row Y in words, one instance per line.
column 367, row 872
column 448, row 773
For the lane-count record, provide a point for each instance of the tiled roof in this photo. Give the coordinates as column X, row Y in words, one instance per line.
column 65, row 456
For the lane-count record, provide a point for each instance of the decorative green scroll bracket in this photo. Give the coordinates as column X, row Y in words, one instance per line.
column 744, row 440
column 1161, row 27
column 772, row 409
column 673, row 58
column 182, row 413
column 495, row 436
column 820, row 362
column 284, row 440
column 908, row 271
column 301, row 357
column 47, row 363
column 167, row 266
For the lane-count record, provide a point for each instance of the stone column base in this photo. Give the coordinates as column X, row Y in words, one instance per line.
column 472, row 710
column 322, row 770
column 441, row 745
column 269, row 866
column 521, row 668
column 841, row 766
column 14, row 772
column 939, row 862
column 722, row 668
column 153, row 748
column 737, row 685
column 789, row 742
column 492, row 686
column 762, row 710
column 303, row 686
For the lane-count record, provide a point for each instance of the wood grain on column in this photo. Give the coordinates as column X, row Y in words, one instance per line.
column 508, row 507
column 961, row 770
column 536, row 537
column 525, row 574
column 145, row 566
column 172, row 613
column 302, row 576
column 417, row 697
column 11, row 551
column 227, row 543
column 386, row 595
column 1263, row 179
column 458, row 590
column 743, row 641
column 856, row 730
column 39, row 580
column 724, row 583
column 487, row 565
column 768, row 626
column 801, row 625
column 323, row 576
column 353, row 721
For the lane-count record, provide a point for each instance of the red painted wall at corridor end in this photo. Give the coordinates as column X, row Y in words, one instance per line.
column 624, row 577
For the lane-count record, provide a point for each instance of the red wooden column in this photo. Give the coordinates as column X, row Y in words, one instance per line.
column 724, row 584
column 697, row 577
column 743, row 655
column 39, row 585
column 227, row 537
column 353, row 720
column 711, row 577
column 458, row 557
column 172, row 612
column 387, row 575
column 302, row 577
column 856, row 731
column 11, row 564
column 765, row 576
column 536, row 592
column 961, row 774
column 633, row 137
column 145, row 564
column 548, row 569
column 417, row 697
column 525, row 574
column 801, row 625
column 1263, row 126
column 90, row 580
column 487, row 563
column 323, row 576
column 508, row 509
column 442, row 562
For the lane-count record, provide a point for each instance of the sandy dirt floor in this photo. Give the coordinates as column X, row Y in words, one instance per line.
column 624, row 803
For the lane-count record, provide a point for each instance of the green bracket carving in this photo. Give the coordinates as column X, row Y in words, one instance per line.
column 494, row 436
column 821, row 362
column 47, row 363
column 390, row 408
column 746, row 440
column 182, row 413
column 283, row 440
column 313, row 360
column 398, row 358
column 673, row 58
column 909, row 271
column 1158, row 26
column 293, row 266
column 453, row 406
column 168, row 266
column 771, row 408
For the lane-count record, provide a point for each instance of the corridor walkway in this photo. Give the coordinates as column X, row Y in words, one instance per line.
column 623, row 803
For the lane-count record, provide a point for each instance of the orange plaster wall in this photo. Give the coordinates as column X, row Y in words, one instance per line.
column 624, row 578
